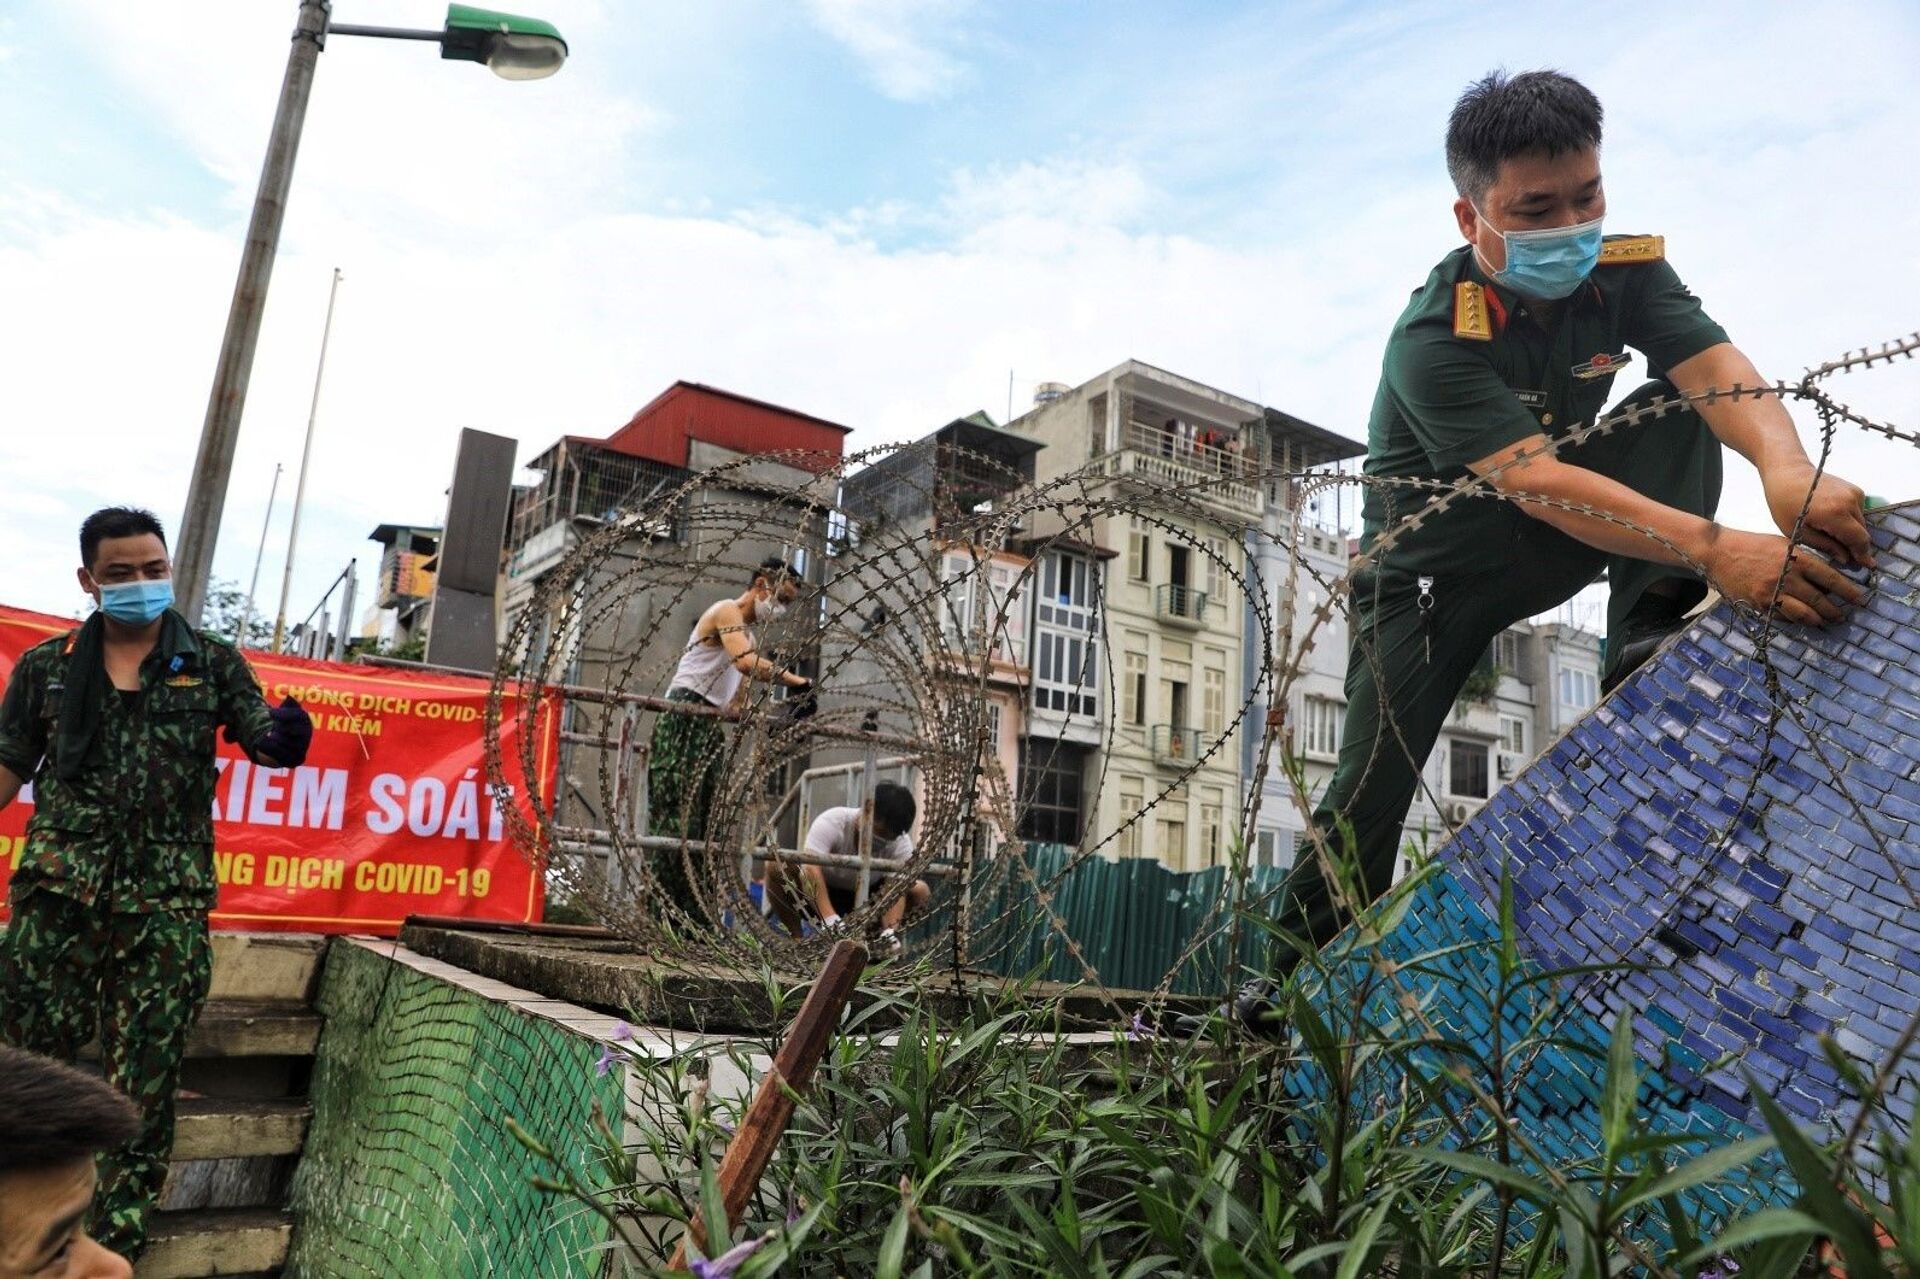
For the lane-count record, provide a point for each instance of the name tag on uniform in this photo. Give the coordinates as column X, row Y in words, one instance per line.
column 184, row 681
column 1602, row 365
column 1532, row 399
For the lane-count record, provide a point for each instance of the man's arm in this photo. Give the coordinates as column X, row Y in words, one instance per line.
column 1759, row 429
column 23, row 731
column 730, row 627
column 1744, row 566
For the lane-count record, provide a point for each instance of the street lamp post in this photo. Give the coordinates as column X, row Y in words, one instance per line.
column 514, row 48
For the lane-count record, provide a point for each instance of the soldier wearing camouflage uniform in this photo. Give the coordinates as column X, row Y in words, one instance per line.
column 114, row 723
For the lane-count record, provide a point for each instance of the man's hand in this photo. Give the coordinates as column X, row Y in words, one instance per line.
column 1746, row 567
column 1836, row 523
column 284, row 744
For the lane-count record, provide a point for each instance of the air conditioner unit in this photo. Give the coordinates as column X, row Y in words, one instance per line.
column 1459, row 811
column 1509, row 764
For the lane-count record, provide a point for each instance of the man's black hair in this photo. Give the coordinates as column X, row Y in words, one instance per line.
column 1501, row 116
column 893, row 807
column 773, row 568
column 115, row 521
column 52, row 1115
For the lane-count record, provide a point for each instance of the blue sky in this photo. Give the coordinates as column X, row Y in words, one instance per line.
column 872, row 210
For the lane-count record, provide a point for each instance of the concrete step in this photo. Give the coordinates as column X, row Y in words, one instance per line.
column 188, row 1245
column 257, row 966
column 221, row 1128
column 254, row 1028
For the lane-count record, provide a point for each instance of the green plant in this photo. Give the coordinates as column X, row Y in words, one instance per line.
column 1003, row 1143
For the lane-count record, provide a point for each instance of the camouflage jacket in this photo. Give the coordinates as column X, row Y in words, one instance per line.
column 137, row 823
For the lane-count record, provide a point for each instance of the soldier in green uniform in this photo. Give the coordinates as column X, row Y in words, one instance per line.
column 1514, row 339
column 115, row 723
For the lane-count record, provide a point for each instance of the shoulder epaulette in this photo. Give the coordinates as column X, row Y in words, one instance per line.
column 1470, row 318
column 1633, row 248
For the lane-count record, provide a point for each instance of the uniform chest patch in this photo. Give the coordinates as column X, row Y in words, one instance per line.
column 185, row 681
column 1532, row 399
column 1602, row 365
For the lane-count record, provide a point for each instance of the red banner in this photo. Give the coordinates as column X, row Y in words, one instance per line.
column 390, row 816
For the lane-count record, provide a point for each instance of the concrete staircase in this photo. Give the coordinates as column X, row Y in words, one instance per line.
column 243, row 1113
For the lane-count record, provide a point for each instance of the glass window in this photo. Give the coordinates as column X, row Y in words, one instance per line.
column 1513, row 734
column 1133, row 792
column 1213, row 703
column 1320, row 729
column 1051, row 790
column 1467, row 770
column 1578, row 689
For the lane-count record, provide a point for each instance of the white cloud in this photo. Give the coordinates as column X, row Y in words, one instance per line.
column 500, row 276
column 900, row 42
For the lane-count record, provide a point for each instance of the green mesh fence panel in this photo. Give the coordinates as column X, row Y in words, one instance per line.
column 409, row 1168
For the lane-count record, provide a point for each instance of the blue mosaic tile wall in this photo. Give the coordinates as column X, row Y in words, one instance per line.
column 1752, row 854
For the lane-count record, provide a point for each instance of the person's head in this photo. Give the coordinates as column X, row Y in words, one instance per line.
column 1524, row 155
column 893, row 811
column 124, row 564
column 53, row 1120
column 776, row 584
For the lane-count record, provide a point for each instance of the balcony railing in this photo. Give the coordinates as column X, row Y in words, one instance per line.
column 1202, row 472
column 1173, row 744
column 1182, row 604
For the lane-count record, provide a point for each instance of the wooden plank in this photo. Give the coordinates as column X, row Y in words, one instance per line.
column 188, row 1245
column 248, row 1028
column 266, row 965
column 219, row 1128
column 771, row 1110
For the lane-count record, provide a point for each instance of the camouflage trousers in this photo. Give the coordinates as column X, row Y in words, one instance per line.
column 683, row 771
column 69, row 969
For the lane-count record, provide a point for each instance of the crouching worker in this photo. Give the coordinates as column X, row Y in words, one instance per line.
column 53, row 1121
column 115, row 723
column 830, row 891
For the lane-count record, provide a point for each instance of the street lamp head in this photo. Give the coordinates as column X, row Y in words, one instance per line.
column 514, row 48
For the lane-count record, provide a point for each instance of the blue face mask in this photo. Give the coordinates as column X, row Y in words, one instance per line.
column 1550, row 263
column 136, row 603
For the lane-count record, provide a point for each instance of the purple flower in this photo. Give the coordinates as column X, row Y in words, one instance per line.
column 1722, row 1268
column 723, row 1266
column 622, row 1033
column 607, row 1058
column 1138, row 1029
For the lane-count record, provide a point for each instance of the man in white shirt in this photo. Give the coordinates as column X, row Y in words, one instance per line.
column 831, row 890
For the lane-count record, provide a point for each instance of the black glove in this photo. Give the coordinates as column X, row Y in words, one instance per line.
column 286, row 740
column 805, row 706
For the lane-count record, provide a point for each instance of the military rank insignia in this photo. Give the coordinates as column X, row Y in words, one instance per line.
column 1628, row 249
column 1470, row 318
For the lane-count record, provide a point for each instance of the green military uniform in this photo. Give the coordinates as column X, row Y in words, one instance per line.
column 1470, row 369
column 683, row 774
column 110, row 898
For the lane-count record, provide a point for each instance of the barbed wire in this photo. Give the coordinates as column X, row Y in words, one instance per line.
column 914, row 621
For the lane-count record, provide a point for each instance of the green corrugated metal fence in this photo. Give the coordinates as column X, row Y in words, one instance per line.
column 1132, row 920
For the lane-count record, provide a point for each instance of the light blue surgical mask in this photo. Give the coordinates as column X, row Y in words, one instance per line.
column 1549, row 263
column 136, row 603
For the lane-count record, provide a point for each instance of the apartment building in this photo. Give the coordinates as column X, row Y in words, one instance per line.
column 1162, row 774
column 1536, row 679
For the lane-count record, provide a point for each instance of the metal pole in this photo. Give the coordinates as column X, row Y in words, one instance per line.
column 306, row 451
column 246, row 612
column 207, row 492
column 346, row 610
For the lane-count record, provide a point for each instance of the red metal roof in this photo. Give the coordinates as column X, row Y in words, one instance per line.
column 688, row 411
